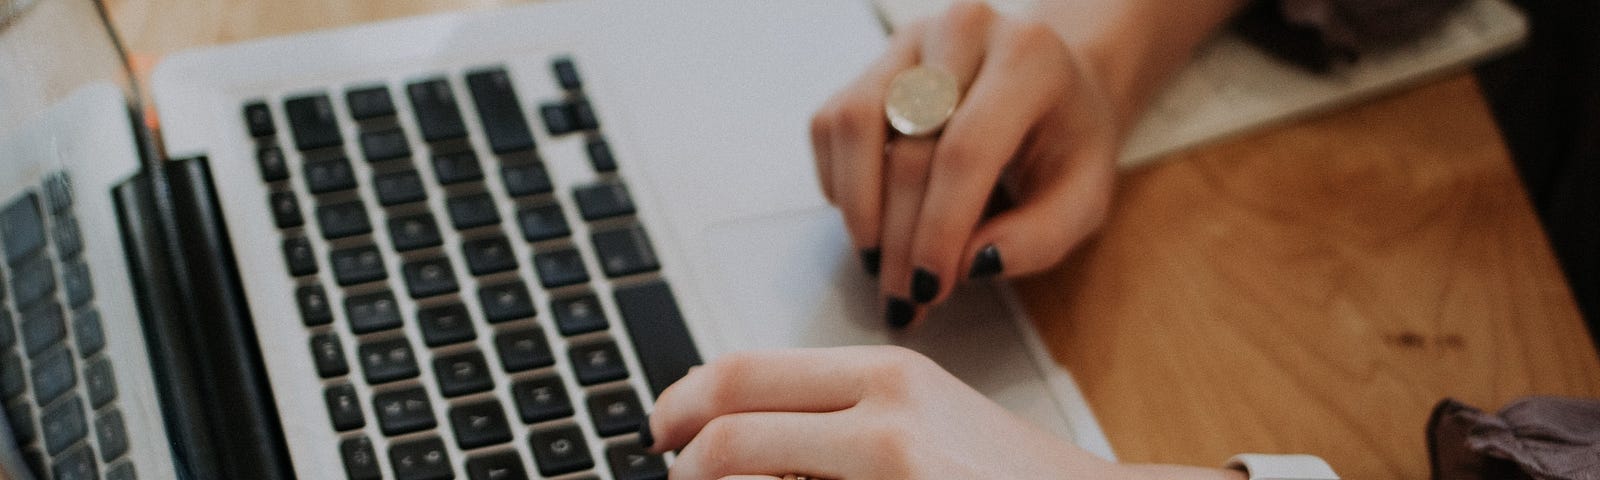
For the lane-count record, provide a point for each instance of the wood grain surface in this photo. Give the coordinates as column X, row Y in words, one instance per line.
column 1314, row 288
column 1318, row 288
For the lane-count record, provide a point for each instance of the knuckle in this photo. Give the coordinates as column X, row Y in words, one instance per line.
column 891, row 441
column 856, row 116
column 968, row 18
column 897, row 371
column 960, row 154
column 821, row 124
column 1025, row 39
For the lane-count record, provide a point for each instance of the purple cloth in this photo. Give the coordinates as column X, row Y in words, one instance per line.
column 1546, row 438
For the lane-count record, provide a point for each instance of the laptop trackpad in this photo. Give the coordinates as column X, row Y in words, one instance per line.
column 792, row 280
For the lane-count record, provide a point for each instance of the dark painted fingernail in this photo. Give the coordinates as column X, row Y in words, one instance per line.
column 924, row 286
column 987, row 263
column 871, row 260
column 645, row 438
column 899, row 313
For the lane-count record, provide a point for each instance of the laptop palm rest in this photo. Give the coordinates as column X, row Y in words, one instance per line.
column 792, row 280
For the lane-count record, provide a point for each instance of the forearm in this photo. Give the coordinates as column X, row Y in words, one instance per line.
column 1134, row 46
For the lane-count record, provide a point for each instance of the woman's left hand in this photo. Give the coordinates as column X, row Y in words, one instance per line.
column 851, row 413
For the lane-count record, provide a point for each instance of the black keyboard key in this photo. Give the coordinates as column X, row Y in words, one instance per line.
column 399, row 188
column 524, row 349
column 76, row 283
column 457, row 167
column 445, row 325
column 387, row 144
column 541, row 399
column 526, row 179
column 69, row 239
column 583, row 117
column 625, row 251
column 21, row 228
column 329, row 175
column 489, row 255
column 112, row 435
column 597, row 362
column 76, row 465
column 496, row 466
column 259, row 120
column 388, row 360
column 273, row 167
column 300, row 258
column 42, row 327
column 427, row 278
column 285, row 210
column 369, row 103
column 8, row 332
column 87, row 329
column 500, row 111
column 12, row 379
column 20, row 413
column 462, row 373
column 560, row 451
column 32, row 281
column 560, row 267
column 372, row 312
column 615, row 412
column 414, row 232
column 403, row 411
column 57, row 192
column 63, row 424
column 629, row 461
column 506, row 301
column 344, row 407
column 435, row 107
column 557, row 118
column 121, row 471
column 480, row 424
column 566, row 74
column 360, row 462
column 600, row 155
column 328, row 355
column 312, row 122
column 424, row 459
column 543, row 222
column 603, row 200
column 358, row 265
column 660, row 339
column 101, row 382
column 342, row 220
column 579, row 315
column 314, row 307
column 472, row 211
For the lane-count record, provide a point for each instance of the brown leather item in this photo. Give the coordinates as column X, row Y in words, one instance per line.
column 1551, row 438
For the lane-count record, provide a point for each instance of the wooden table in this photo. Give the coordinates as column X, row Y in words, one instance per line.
column 1313, row 288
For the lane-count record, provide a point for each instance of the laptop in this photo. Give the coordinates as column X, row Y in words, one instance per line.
column 473, row 245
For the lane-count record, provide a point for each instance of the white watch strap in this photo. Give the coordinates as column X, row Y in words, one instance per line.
column 1282, row 467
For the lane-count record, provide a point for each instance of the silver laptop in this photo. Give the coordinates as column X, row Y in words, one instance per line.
column 474, row 245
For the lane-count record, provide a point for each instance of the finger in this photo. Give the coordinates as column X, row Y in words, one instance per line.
column 798, row 380
column 751, row 477
column 955, row 41
column 907, row 176
column 772, row 444
column 858, row 131
column 1037, row 234
column 822, row 149
column 1017, row 85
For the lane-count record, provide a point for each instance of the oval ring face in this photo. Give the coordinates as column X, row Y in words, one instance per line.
column 921, row 99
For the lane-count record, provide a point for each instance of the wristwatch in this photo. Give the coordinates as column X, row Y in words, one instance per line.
column 1282, row 467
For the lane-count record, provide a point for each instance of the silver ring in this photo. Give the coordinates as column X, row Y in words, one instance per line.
column 921, row 99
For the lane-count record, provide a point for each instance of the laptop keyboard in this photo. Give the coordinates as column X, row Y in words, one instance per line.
column 368, row 222
column 57, row 383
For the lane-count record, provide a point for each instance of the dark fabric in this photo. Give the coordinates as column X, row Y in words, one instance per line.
column 1320, row 34
column 1545, row 438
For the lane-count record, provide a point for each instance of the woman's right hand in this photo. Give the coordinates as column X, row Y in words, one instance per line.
column 1033, row 117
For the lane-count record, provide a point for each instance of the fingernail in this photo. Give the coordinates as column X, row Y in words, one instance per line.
column 645, row 438
column 871, row 260
column 987, row 263
column 924, row 286
column 899, row 312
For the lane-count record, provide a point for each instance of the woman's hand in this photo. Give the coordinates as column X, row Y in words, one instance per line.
column 852, row 413
column 1031, row 118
